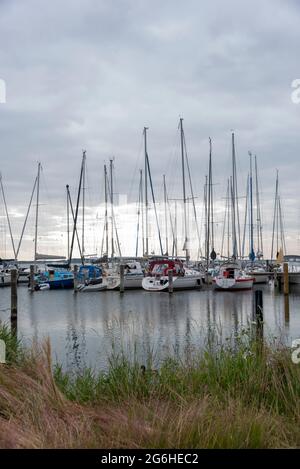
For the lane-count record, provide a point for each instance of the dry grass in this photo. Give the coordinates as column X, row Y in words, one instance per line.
column 222, row 401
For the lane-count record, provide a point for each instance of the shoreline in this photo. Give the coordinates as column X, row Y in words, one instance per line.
column 245, row 397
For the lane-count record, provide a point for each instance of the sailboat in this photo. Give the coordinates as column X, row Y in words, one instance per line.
column 254, row 268
column 231, row 276
column 210, row 253
column 53, row 277
column 133, row 276
column 183, row 277
column 278, row 230
column 5, row 275
column 147, row 182
column 93, row 278
column 90, row 279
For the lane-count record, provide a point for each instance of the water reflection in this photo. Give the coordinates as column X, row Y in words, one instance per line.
column 86, row 328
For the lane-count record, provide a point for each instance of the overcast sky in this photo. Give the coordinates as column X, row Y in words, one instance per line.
column 89, row 74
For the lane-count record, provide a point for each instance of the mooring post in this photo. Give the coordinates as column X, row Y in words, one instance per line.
column 170, row 275
column 31, row 278
column 259, row 314
column 122, row 283
column 278, row 280
column 259, row 304
column 14, row 300
column 75, row 278
column 285, row 278
column 286, row 309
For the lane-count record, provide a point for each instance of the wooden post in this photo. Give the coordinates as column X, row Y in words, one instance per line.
column 14, row 301
column 31, row 278
column 259, row 304
column 122, row 283
column 75, row 278
column 286, row 309
column 259, row 314
column 285, row 278
column 170, row 275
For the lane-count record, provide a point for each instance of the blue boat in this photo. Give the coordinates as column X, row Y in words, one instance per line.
column 88, row 272
column 54, row 279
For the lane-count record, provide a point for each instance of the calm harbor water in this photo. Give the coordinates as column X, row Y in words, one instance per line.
column 84, row 328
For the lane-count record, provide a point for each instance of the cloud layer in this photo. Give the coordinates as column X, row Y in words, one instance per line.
column 90, row 74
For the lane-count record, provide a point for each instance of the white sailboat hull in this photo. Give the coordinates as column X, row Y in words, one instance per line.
column 222, row 283
column 260, row 278
column 5, row 279
column 133, row 281
column 179, row 283
column 130, row 282
column 93, row 286
column 113, row 283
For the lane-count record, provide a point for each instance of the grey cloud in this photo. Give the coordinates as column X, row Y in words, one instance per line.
column 91, row 74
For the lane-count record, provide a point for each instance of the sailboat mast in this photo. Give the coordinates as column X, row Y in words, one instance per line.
column 75, row 228
column 211, row 197
column 228, row 217
column 282, row 237
column 37, row 214
column 142, row 211
column 68, row 222
column 146, row 193
column 252, row 256
column 245, row 218
column 234, row 241
column 259, row 226
column 112, row 207
column 166, row 215
column 83, row 200
column 175, row 230
column 235, row 203
column 274, row 216
column 205, row 200
column 277, row 226
column 75, row 218
column 185, row 246
column 154, row 205
column 106, row 215
column 209, row 208
column 8, row 220
column 138, row 218
column 192, row 198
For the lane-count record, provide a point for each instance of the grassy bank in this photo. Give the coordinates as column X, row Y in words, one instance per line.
column 247, row 397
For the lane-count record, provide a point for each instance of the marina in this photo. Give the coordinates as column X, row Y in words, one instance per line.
column 86, row 328
column 149, row 229
column 188, row 283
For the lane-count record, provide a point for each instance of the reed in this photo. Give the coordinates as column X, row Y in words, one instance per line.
column 14, row 351
column 246, row 396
